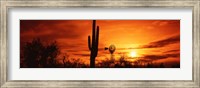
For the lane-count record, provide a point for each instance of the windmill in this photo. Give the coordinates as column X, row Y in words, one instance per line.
column 111, row 49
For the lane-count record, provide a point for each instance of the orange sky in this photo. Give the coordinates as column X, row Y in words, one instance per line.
column 157, row 40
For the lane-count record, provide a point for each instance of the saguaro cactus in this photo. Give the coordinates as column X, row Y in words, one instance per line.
column 94, row 46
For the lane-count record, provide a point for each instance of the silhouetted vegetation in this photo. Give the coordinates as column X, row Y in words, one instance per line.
column 124, row 63
column 71, row 63
column 36, row 54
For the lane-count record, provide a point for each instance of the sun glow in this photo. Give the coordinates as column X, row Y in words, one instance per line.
column 133, row 54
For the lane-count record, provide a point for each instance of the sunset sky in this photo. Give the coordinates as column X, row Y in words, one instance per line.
column 155, row 40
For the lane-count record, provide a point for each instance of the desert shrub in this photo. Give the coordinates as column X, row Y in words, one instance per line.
column 36, row 54
column 73, row 63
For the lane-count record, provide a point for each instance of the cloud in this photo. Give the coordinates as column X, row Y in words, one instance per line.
column 70, row 35
column 165, row 22
column 163, row 42
column 172, row 51
column 158, row 57
column 158, row 44
column 53, row 30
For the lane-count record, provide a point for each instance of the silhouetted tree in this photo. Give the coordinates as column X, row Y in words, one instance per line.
column 32, row 52
column 53, row 51
column 37, row 54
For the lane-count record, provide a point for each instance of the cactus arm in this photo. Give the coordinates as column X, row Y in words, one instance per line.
column 97, row 37
column 89, row 43
column 93, row 33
